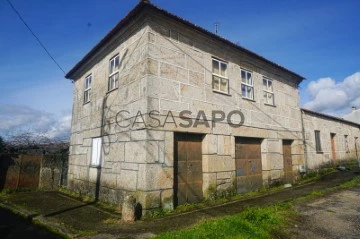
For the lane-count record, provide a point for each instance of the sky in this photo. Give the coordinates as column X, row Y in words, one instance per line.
column 316, row 39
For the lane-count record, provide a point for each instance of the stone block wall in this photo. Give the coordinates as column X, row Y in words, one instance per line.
column 169, row 68
column 328, row 126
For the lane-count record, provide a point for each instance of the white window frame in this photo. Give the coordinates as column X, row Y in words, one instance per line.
column 96, row 152
column 87, row 91
column 219, row 76
column 114, row 75
column 247, row 84
column 269, row 91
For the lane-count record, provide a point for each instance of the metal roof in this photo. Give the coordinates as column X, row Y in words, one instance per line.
column 331, row 117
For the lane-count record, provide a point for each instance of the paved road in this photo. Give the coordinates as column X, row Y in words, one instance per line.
column 15, row 227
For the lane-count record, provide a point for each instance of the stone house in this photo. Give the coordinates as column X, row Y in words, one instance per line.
column 329, row 139
column 172, row 113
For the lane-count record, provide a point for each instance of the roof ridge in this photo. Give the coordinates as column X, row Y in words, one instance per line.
column 144, row 3
column 330, row 116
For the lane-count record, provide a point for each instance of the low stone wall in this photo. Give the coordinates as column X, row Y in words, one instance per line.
column 32, row 171
column 53, row 171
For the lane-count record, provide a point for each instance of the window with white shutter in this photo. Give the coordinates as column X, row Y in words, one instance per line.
column 96, row 152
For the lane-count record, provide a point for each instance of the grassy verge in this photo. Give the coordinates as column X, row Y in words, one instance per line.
column 311, row 177
column 253, row 222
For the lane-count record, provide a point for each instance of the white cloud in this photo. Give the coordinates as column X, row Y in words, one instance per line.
column 16, row 119
column 329, row 96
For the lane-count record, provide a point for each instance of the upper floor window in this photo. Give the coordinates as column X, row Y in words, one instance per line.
column 114, row 72
column 268, row 91
column 247, row 84
column 318, row 141
column 220, row 81
column 87, row 90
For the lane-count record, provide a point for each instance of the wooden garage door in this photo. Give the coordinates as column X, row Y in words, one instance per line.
column 248, row 164
column 288, row 171
column 188, row 168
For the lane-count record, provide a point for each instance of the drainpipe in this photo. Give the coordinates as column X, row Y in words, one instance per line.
column 357, row 155
column 98, row 175
column 304, row 140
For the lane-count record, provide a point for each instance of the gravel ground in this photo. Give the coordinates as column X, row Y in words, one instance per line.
column 334, row 216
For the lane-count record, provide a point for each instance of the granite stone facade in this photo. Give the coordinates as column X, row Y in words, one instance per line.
column 167, row 66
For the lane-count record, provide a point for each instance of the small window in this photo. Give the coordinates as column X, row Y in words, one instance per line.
column 268, row 91
column 220, row 81
column 114, row 73
column 87, row 90
column 347, row 149
column 247, row 84
column 317, row 141
column 356, row 146
column 96, row 152
column 174, row 35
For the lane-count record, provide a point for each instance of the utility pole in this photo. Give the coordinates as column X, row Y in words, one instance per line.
column 217, row 24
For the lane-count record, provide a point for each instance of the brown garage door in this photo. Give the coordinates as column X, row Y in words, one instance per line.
column 288, row 171
column 187, row 168
column 248, row 164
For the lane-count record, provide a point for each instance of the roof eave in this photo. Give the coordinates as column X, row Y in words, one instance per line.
column 144, row 4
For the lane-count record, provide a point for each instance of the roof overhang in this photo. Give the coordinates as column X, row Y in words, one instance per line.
column 143, row 5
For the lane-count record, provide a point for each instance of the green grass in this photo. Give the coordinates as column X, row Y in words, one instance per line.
column 213, row 202
column 253, row 222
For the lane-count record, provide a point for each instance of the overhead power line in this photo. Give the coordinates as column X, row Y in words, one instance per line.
column 37, row 38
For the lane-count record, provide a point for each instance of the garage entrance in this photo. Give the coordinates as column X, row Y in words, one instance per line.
column 288, row 165
column 248, row 164
column 187, row 168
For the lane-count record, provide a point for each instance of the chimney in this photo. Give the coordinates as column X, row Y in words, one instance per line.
column 353, row 109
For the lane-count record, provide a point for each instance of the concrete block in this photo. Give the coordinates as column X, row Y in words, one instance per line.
column 93, row 172
column 192, row 92
column 196, row 78
column 224, row 145
column 209, row 144
column 129, row 166
column 154, row 177
column 168, row 90
column 161, row 148
column 127, row 179
column 141, row 152
column 275, row 174
column 216, row 163
column 174, row 73
column 276, row 161
column 108, row 180
column 209, row 180
column 167, row 199
column 149, row 200
column 173, row 105
column 169, row 149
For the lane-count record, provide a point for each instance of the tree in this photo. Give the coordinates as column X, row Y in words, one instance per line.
column 2, row 146
column 28, row 142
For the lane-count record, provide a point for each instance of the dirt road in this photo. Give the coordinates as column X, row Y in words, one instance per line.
column 334, row 216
